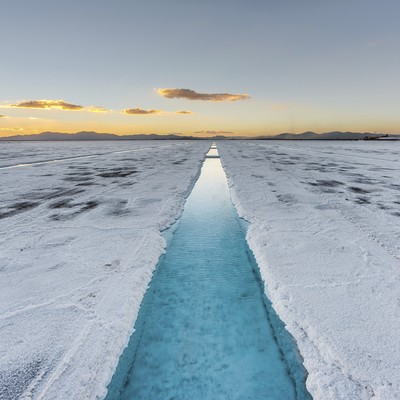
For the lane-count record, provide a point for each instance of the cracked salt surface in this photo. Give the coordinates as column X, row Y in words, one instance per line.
column 205, row 329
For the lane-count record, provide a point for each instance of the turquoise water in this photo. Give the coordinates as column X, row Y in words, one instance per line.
column 205, row 329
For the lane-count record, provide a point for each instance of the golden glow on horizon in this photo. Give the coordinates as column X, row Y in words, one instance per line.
column 254, row 118
column 11, row 129
column 240, row 124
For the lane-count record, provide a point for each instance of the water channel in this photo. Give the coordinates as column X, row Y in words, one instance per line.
column 205, row 329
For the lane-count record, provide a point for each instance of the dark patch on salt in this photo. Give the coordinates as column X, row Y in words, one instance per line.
column 78, row 178
column 127, row 184
column 285, row 162
column 64, row 203
column 89, row 205
column 180, row 161
column 119, row 209
column 326, row 183
column 89, row 183
column 18, row 208
column 356, row 189
column 362, row 200
column 365, row 181
column 62, row 192
column 117, row 173
column 286, row 198
column 13, row 382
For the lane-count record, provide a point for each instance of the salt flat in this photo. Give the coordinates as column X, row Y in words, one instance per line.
column 79, row 239
column 325, row 230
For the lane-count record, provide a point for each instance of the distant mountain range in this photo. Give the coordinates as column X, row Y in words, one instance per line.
column 47, row 136
column 93, row 136
column 328, row 136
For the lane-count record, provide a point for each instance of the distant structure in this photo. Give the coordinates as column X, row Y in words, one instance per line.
column 374, row 137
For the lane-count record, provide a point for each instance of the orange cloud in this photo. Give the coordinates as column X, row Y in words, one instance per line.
column 184, row 112
column 47, row 104
column 140, row 111
column 192, row 95
column 54, row 104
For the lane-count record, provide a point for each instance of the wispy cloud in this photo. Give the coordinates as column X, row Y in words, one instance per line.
column 192, row 95
column 184, row 112
column 140, row 111
column 214, row 132
column 3, row 116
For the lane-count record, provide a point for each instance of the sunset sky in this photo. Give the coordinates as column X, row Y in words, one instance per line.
column 205, row 67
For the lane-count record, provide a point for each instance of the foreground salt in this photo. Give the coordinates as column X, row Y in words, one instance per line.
column 204, row 330
column 325, row 231
column 79, row 240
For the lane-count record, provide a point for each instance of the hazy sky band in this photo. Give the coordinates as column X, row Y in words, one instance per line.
column 306, row 65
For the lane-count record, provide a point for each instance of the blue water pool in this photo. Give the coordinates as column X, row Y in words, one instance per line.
column 205, row 328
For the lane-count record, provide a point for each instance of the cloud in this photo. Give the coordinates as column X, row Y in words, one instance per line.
column 140, row 111
column 3, row 116
column 12, row 129
column 54, row 104
column 192, row 95
column 214, row 132
column 96, row 109
column 47, row 104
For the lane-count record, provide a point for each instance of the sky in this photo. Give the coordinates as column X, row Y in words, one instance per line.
column 233, row 67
